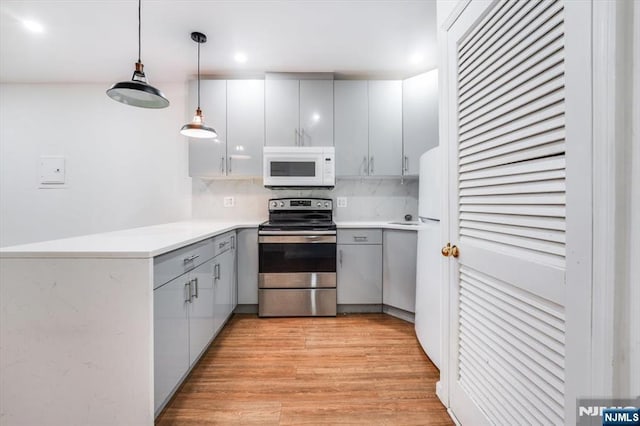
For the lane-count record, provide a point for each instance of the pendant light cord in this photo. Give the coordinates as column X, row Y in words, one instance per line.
column 139, row 32
column 198, row 75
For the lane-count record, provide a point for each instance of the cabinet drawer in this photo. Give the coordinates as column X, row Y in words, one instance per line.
column 359, row 236
column 173, row 264
column 224, row 242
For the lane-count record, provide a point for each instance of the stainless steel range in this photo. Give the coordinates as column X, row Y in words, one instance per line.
column 297, row 259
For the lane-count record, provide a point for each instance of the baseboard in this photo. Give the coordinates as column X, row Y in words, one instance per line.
column 399, row 313
column 359, row 308
column 246, row 309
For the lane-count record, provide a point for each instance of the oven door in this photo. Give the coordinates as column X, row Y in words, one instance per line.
column 297, row 261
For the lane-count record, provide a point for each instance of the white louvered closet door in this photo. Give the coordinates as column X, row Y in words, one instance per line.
column 508, row 198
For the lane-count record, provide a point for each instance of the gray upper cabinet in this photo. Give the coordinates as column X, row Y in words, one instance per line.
column 385, row 127
column 207, row 157
column 316, row 112
column 351, row 109
column 419, row 119
column 298, row 112
column 282, row 106
column 245, row 132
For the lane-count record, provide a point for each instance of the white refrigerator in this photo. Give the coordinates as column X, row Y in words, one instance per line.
column 428, row 274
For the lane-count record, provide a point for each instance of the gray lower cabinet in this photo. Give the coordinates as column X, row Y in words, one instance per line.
column 223, row 278
column 190, row 308
column 248, row 266
column 359, row 269
column 171, row 339
column 183, row 321
column 399, row 269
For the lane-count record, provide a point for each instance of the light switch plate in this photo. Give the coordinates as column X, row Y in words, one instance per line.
column 342, row 201
column 52, row 171
column 228, row 202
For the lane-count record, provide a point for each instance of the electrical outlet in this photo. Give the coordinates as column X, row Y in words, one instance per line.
column 228, row 201
column 342, row 201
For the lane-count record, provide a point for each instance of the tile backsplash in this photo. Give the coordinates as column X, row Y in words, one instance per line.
column 367, row 199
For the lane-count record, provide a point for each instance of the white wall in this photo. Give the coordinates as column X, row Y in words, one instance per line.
column 125, row 166
column 367, row 199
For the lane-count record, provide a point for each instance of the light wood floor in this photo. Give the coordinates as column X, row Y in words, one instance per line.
column 352, row 369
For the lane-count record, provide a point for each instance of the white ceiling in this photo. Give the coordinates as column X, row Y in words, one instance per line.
column 96, row 41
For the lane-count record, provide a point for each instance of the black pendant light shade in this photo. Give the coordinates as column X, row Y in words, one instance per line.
column 196, row 128
column 137, row 92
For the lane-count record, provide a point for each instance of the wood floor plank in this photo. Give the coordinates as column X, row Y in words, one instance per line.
column 351, row 369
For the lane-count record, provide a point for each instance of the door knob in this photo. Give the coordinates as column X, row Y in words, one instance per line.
column 455, row 252
column 446, row 250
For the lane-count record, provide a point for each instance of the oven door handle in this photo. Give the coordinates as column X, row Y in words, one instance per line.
column 297, row 233
column 297, row 239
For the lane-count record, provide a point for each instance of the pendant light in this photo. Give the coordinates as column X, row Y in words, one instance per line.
column 196, row 128
column 138, row 92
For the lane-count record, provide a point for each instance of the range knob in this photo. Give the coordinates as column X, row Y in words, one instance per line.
column 326, row 204
column 274, row 204
column 281, row 203
column 319, row 204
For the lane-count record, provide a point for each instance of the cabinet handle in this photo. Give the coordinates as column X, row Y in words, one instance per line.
column 296, row 137
column 233, row 242
column 216, row 272
column 363, row 166
column 371, row 165
column 360, row 239
column 301, row 137
column 340, row 257
column 195, row 281
column 406, row 164
column 222, row 165
column 229, row 168
column 188, row 291
column 191, row 258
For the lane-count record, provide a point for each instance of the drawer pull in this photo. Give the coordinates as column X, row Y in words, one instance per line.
column 358, row 238
column 223, row 244
column 191, row 258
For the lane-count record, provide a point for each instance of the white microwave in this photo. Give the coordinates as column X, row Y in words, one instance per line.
column 294, row 166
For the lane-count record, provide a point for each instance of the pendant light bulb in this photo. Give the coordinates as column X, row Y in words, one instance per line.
column 138, row 92
column 196, row 128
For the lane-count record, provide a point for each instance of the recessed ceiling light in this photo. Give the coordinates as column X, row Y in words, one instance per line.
column 33, row 26
column 416, row 58
column 240, row 57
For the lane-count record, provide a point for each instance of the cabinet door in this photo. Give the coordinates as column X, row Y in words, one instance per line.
column 399, row 269
column 245, row 132
column 223, row 298
column 385, row 128
column 282, row 106
column 351, row 120
column 201, row 309
column 207, row 156
column 234, row 272
column 248, row 266
column 170, row 337
column 316, row 112
column 359, row 274
column 419, row 118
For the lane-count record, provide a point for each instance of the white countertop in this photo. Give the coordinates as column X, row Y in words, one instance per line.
column 402, row 225
column 149, row 241
column 144, row 242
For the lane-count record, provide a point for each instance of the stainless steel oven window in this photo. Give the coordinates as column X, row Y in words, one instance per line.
column 297, row 253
